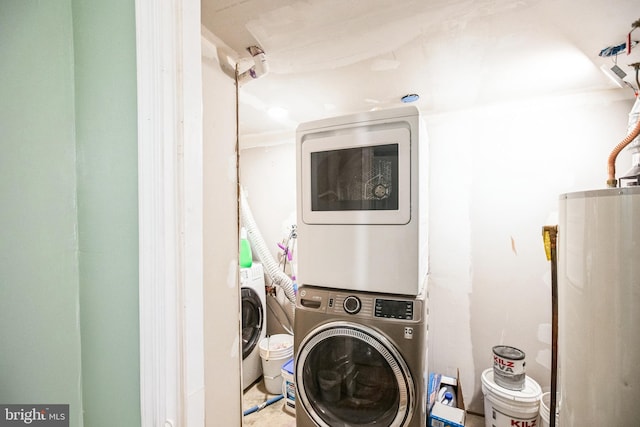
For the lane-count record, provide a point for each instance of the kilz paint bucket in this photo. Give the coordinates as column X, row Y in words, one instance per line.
column 510, row 408
column 508, row 367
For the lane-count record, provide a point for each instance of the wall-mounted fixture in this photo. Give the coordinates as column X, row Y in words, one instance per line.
column 255, row 71
column 615, row 74
column 412, row 97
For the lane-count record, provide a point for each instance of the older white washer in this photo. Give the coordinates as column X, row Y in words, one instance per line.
column 361, row 359
column 254, row 317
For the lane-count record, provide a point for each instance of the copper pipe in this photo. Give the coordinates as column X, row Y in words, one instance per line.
column 612, row 182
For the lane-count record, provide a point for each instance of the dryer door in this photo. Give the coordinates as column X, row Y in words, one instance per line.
column 252, row 320
column 348, row 374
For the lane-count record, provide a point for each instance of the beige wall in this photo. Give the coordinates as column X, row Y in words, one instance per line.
column 221, row 294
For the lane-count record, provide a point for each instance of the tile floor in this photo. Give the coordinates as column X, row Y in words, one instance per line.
column 271, row 416
column 276, row 416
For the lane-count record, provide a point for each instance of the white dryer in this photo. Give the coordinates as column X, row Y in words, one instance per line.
column 254, row 321
column 362, row 184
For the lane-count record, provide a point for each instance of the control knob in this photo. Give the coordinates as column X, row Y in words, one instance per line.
column 352, row 304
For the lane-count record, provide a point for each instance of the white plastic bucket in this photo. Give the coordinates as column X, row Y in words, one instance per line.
column 510, row 408
column 275, row 350
column 289, row 387
column 545, row 410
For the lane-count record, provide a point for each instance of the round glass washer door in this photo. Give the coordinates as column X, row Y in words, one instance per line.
column 252, row 320
column 348, row 374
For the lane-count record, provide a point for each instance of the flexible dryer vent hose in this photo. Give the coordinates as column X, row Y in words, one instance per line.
column 278, row 277
column 612, row 182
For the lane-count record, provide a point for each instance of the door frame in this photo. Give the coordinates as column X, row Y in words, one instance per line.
column 169, row 90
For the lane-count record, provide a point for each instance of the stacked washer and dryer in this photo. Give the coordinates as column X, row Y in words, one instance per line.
column 361, row 313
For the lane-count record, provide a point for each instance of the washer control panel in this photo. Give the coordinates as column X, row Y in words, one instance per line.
column 394, row 309
column 361, row 305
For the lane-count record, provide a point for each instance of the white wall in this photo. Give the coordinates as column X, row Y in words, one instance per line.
column 221, row 294
column 496, row 173
column 268, row 176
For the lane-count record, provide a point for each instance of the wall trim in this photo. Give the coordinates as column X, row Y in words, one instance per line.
column 170, row 212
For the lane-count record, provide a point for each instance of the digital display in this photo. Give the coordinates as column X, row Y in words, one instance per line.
column 394, row 309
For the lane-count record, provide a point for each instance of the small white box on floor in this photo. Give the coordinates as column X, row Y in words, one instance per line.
column 440, row 414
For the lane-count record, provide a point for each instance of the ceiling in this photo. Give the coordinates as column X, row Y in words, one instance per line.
column 334, row 57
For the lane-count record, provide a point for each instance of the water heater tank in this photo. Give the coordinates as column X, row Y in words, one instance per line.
column 599, row 308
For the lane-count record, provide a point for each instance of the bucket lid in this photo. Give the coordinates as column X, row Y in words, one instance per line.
column 508, row 352
column 276, row 346
column 530, row 393
column 288, row 367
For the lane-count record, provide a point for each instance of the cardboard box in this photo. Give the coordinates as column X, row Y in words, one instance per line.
column 441, row 415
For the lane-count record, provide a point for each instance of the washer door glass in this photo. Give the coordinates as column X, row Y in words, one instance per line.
column 252, row 320
column 351, row 375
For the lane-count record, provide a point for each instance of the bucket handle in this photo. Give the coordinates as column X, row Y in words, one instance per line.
column 268, row 346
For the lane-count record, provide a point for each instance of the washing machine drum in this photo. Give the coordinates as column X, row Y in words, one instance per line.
column 351, row 375
column 252, row 320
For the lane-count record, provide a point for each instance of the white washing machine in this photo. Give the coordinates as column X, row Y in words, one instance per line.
column 361, row 359
column 254, row 321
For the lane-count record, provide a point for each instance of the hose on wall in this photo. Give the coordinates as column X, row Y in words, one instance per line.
column 277, row 276
column 612, row 182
